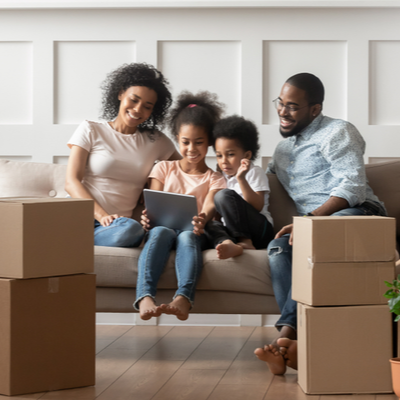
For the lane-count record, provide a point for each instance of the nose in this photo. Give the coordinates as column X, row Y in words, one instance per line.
column 283, row 111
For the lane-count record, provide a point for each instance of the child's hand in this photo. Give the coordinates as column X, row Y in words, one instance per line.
column 243, row 169
column 199, row 223
column 144, row 220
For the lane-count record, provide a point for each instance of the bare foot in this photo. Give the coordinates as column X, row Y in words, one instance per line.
column 228, row 249
column 246, row 243
column 148, row 309
column 273, row 358
column 180, row 307
column 288, row 349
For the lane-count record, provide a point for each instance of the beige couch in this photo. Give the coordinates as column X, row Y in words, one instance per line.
column 235, row 286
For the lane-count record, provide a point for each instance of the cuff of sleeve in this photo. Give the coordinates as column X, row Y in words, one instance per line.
column 351, row 198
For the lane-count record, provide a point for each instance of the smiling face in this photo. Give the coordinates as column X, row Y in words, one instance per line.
column 193, row 146
column 292, row 123
column 229, row 155
column 136, row 106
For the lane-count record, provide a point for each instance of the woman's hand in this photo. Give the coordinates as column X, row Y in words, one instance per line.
column 144, row 220
column 199, row 223
column 106, row 220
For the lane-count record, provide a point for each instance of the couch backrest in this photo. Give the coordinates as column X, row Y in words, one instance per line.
column 27, row 179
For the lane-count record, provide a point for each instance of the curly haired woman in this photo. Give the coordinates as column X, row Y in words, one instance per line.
column 110, row 160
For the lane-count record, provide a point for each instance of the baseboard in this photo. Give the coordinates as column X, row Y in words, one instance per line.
column 193, row 320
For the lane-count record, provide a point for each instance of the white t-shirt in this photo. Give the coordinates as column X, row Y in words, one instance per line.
column 118, row 165
column 258, row 181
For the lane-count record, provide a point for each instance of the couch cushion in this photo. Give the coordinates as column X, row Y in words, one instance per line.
column 384, row 179
column 29, row 179
column 248, row 273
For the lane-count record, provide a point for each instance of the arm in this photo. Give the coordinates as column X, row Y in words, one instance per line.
column 175, row 156
column 332, row 205
column 256, row 199
column 73, row 184
column 206, row 213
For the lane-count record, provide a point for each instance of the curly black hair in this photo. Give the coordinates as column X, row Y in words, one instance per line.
column 242, row 130
column 136, row 74
column 201, row 109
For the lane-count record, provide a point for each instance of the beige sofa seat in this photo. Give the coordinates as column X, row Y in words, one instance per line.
column 235, row 286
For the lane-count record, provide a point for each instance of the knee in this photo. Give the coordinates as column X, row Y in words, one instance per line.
column 161, row 232
column 279, row 246
column 221, row 197
column 187, row 238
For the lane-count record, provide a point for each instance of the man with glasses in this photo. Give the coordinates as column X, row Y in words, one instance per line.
column 320, row 164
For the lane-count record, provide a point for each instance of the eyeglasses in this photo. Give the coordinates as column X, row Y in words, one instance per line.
column 290, row 109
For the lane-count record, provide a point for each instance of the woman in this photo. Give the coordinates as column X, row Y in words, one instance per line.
column 110, row 160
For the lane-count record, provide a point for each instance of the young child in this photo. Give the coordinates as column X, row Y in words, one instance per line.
column 191, row 122
column 243, row 206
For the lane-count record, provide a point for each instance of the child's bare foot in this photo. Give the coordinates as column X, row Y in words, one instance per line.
column 148, row 309
column 179, row 306
column 228, row 249
column 273, row 358
column 288, row 349
column 246, row 243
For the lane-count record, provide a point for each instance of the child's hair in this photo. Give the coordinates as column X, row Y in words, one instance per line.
column 243, row 131
column 201, row 109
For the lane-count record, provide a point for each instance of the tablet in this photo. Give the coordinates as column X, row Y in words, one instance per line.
column 172, row 210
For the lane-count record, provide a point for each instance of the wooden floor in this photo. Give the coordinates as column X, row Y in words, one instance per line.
column 194, row 363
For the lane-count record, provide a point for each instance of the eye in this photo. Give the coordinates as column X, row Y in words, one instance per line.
column 231, row 154
column 218, row 155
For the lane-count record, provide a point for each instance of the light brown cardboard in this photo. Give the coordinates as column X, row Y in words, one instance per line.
column 45, row 237
column 336, row 284
column 47, row 333
column 345, row 239
column 344, row 349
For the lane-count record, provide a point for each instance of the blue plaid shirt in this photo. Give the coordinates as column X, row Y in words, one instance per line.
column 325, row 159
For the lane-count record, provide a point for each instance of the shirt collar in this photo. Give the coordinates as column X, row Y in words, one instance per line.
column 310, row 129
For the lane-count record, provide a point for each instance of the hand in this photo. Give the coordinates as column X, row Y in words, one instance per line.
column 144, row 220
column 199, row 223
column 107, row 219
column 285, row 230
column 243, row 169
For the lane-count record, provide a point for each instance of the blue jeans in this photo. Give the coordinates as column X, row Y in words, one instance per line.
column 155, row 254
column 280, row 262
column 122, row 232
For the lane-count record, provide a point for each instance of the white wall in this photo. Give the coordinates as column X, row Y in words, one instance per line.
column 53, row 61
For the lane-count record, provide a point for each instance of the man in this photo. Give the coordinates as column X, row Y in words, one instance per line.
column 320, row 164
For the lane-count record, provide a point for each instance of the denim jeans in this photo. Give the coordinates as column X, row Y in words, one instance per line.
column 188, row 262
column 122, row 232
column 280, row 262
column 241, row 220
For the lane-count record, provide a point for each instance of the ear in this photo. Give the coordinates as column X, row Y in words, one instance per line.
column 120, row 94
column 248, row 154
column 316, row 110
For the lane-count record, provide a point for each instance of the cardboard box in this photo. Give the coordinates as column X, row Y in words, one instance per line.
column 47, row 333
column 345, row 239
column 46, row 237
column 330, row 260
column 344, row 349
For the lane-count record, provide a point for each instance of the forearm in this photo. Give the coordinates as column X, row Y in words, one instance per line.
column 77, row 191
column 253, row 198
column 331, row 206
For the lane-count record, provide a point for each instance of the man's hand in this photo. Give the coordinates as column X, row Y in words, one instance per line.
column 199, row 223
column 285, row 230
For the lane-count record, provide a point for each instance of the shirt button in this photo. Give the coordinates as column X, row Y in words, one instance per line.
column 304, row 204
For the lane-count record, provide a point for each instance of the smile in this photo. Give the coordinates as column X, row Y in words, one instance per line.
column 132, row 116
column 285, row 122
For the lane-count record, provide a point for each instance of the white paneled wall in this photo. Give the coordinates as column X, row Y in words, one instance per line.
column 53, row 61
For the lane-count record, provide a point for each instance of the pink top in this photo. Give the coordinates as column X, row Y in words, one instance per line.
column 176, row 181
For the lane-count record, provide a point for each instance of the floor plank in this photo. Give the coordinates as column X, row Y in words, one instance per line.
column 219, row 349
column 190, row 384
column 286, row 387
column 238, row 392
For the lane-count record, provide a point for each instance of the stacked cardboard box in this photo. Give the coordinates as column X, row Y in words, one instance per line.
column 47, row 295
column 344, row 324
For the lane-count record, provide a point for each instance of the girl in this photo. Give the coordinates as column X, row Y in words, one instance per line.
column 191, row 123
column 110, row 160
column 247, row 224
